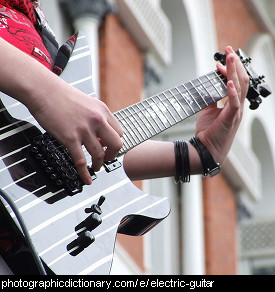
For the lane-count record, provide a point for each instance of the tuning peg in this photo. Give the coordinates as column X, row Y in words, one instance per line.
column 254, row 103
column 219, row 56
column 264, row 90
column 259, row 79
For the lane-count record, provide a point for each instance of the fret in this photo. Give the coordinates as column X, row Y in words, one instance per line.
column 158, row 112
column 126, row 135
column 212, row 81
column 139, row 127
column 153, row 115
column 222, row 79
column 124, row 126
column 199, row 94
column 130, row 128
column 185, row 98
column 166, row 101
column 202, row 91
column 196, row 103
column 133, row 127
column 175, row 104
column 163, row 111
column 145, row 115
column 126, row 144
column 220, row 84
column 147, row 118
column 141, row 117
column 178, row 102
column 125, row 148
column 204, row 86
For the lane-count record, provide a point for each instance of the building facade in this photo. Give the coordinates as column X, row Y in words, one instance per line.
column 222, row 225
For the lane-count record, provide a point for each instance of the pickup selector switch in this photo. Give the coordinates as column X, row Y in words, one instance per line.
column 96, row 208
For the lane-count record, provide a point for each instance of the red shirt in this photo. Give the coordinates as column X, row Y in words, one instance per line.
column 17, row 26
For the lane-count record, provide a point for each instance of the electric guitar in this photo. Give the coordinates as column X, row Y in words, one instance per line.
column 73, row 227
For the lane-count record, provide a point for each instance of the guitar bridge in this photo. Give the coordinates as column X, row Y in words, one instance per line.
column 54, row 164
column 112, row 165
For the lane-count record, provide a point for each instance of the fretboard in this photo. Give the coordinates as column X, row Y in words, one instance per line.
column 153, row 115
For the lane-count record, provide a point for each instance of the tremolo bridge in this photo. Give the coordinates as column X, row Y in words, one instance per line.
column 54, row 164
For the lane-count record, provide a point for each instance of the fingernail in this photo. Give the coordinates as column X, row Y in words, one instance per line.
column 230, row 84
column 230, row 49
column 89, row 181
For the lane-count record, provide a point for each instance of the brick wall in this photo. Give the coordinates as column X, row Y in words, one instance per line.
column 121, row 84
column 121, row 66
column 121, row 77
column 234, row 25
column 220, row 221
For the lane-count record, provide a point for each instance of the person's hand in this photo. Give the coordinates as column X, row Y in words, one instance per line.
column 76, row 119
column 72, row 117
column 216, row 127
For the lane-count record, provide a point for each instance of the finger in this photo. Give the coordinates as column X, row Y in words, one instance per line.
column 112, row 141
column 230, row 114
column 232, row 73
column 113, row 122
column 222, row 69
column 95, row 149
column 233, row 101
column 241, row 83
column 80, row 162
column 239, row 64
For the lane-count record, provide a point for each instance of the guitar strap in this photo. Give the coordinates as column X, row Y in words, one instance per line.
column 47, row 34
column 60, row 56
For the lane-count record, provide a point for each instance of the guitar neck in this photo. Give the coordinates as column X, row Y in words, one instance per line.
column 151, row 116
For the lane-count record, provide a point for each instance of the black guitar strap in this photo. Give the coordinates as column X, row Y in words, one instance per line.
column 60, row 56
column 46, row 32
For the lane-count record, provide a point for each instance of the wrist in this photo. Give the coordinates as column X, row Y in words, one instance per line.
column 195, row 162
column 209, row 165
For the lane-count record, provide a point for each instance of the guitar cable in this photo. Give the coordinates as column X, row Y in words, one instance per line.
column 20, row 220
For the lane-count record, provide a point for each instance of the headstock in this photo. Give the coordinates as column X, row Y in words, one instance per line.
column 257, row 85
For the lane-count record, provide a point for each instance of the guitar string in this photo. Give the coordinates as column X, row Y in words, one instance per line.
column 222, row 78
column 146, row 108
column 160, row 94
column 218, row 74
column 198, row 93
column 87, row 155
column 134, row 129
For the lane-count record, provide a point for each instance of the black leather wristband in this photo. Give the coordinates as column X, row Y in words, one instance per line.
column 210, row 167
column 182, row 162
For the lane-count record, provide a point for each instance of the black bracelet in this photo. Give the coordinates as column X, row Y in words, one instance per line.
column 209, row 166
column 182, row 162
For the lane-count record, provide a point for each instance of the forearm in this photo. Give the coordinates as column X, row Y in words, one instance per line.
column 216, row 129
column 156, row 159
column 22, row 77
column 72, row 117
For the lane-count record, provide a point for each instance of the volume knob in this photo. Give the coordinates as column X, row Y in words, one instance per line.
column 83, row 240
column 90, row 223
